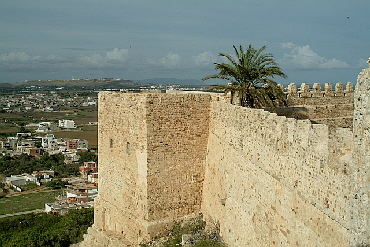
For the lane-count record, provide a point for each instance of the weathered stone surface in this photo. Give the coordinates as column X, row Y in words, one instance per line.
column 360, row 189
column 152, row 148
column 316, row 92
column 275, row 181
column 263, row 179
column 331, row 107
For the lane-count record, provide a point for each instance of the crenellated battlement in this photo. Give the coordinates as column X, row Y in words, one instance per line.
column 293, row 91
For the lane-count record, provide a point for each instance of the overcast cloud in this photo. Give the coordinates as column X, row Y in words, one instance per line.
column 302, row 57
column 313, row 41
column 205, row 59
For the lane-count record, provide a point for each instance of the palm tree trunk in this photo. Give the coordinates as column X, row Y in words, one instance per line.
column 232, row 97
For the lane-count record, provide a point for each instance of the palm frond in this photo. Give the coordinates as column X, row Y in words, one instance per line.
column 248, row 72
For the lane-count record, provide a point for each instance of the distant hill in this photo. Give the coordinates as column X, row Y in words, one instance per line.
column 102, row 81
column 100, row 84
column 172, row 81
column 73, row 83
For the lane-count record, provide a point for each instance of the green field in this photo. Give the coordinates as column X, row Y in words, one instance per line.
column 28, row 186
column 90, row 133
column 45, row 229
column 81, row 115
column 27, row 202
column 8, row 128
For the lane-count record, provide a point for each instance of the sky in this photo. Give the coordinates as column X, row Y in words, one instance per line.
column 312, row 41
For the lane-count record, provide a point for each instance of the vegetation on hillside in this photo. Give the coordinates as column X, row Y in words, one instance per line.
column 55, row 184
column 27, row 164
column 197, row 235
column 34, row 230
column 251, row 76
column 27, row 202
column 70, row 85
column 3, row 190
column 86, row 157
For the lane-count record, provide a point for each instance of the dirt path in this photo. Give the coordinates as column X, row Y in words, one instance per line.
column 30, row 191
column 20, row 213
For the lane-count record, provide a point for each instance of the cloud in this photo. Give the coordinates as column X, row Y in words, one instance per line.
column 116, row 56
column 24, row 60
column 204, row 59
column 79, row 49
column 288, row 45
column 15, row 57
column 95, row 60
column 362, row 63
column 51, row 59
column 171, row 60
column 303, row 57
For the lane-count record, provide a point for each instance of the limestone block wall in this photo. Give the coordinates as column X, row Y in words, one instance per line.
column 360, row 183
column 121, row 205
column 333, row 115
column 320, row 100
column 317, row 91
column 331, row 110
column 264, row 179
column 271, row 181
column 152, row 149
column 333, row 107
column 177, row 132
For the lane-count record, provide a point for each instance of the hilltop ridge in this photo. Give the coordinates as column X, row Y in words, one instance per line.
column 75, row 83
column 99, row 84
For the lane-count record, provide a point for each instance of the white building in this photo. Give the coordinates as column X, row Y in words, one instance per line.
column 82, row 144
column 67, row 124
column 48, row 141
column 46, row 126
column 11, row 142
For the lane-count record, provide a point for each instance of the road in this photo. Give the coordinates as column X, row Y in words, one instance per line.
column 20, row 213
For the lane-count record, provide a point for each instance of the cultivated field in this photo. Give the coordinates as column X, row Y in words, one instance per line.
column 90, row 133
column 12, row 122
column 26, row 202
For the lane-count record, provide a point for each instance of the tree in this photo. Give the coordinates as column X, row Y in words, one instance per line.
column 45, row 229
column 251, row 78
column 55, row 184
column 86, row 157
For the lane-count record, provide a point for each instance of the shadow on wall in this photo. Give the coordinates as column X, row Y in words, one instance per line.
column 297, row 112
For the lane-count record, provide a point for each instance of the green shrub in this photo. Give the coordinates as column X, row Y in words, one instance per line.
column 194, row 227
column 45, row 229
column 209, row 243
column 28, row 186
column 55, row 184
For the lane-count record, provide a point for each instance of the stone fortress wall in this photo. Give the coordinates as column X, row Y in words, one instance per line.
column 276, row 181
column 151, row 163
column 122, row 184
column 333, row 107
column 264, row 179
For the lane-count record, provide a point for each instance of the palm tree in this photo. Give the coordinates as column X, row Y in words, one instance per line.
column 250, row 76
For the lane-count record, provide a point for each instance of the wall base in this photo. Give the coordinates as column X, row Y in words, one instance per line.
column 96, row 237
